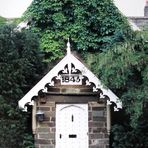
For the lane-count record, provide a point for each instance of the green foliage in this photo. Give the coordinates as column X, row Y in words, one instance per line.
column 127, row 137
column 20, row 69
column 113, row 51
column 124, row 69
column 2, row 20
column 92, row 25
column 15, row 21
column 28, row 141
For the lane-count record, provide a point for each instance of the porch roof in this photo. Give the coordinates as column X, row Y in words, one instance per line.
column 69, row 59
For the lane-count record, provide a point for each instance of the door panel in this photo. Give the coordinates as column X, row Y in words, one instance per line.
column 71, row 126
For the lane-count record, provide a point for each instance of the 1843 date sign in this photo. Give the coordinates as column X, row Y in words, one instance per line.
column 71, row 79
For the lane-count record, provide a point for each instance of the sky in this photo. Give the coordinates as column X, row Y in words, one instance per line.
column 15, row 8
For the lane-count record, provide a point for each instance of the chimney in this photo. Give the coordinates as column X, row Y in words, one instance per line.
column 146, row 9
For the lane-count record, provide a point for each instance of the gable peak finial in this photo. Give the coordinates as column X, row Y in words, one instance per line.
column 68, row 47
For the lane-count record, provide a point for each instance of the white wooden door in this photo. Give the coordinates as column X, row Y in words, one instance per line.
column 71, row 126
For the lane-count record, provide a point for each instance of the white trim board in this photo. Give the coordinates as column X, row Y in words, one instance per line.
column 68, row 60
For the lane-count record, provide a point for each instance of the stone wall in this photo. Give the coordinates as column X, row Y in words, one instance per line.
column 140, row 21
column 45, row 130
column 146, row 10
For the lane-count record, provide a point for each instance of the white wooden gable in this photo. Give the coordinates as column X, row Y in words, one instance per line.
column 69, row 60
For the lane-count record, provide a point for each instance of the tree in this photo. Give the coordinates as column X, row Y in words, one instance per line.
column 124, row 69
column 92, row 25
column 20, row 68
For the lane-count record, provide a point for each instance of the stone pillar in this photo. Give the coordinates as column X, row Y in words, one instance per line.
column 45, row 130
column 98, row 137
column 146, row 9
column 34, row 118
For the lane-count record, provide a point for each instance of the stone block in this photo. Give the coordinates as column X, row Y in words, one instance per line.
column 44, row 124
column 90, row 116
column 43, row 130
column 99, row 113
column 53, row 129
column 102, row 119
column 42, row 141
column 48, row 103
column 53, row 108
column 97, row 108
column 96, row 124
column 44, row 136
column 90, row 130
column 95, row 104
column 103, row 141
column 47, row 136
column 45, row 108
column 51, row 124
column 99, row 130
column 47, row 124
column 49, row 114
column 96, row 136
column 46, row 146
column 100, row 146
column 90, row 142
column 52, row 119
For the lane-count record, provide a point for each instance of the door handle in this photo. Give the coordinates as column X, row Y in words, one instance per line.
column 60, row 136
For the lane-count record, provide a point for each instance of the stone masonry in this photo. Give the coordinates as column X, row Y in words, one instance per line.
column 45, row 131
column 98, row 137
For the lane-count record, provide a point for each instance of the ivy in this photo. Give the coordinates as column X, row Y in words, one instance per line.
column 91, row 25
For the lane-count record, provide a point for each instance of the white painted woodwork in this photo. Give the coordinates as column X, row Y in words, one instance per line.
column 72, row 126
column 108, row 118
column 68, row 60
column 34, row 117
